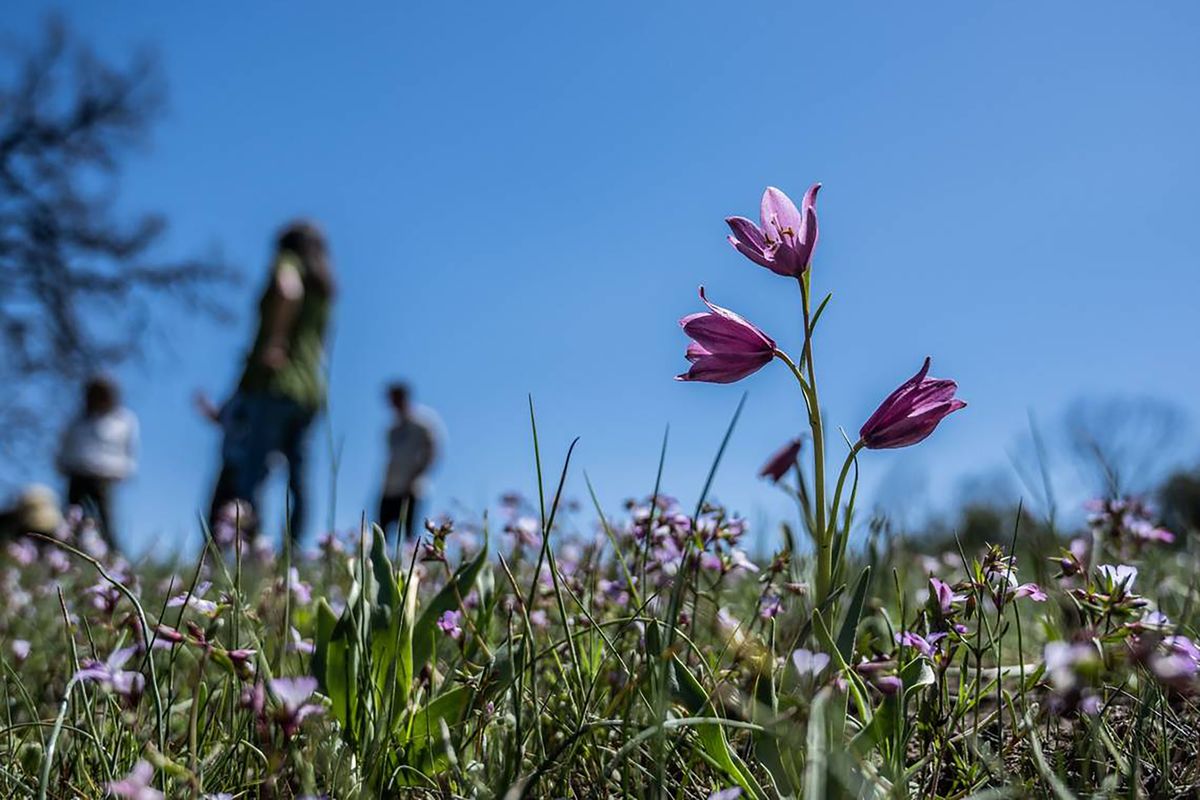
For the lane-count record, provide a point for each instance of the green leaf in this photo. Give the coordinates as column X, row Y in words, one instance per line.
column 856, row 690
column 341, row 674
column 817, row 769
column 386, row 593
column 392, row 654
column 653, row 640
column 448, row 598
column 711, row 735
column 507, row 661
column 326, row 621
column 430, row 751
column 404, row 650
column 849, row 631
column 448, row 706
column 917, row 675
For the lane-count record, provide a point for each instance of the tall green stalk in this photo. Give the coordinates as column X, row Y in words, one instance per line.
column 824, row 537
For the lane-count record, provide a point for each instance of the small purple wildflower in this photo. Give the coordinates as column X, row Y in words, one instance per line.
column 243, row 662
column 944, row 594
column 1120, row 578
column 771, row 607
column 739, row 560
column 1030, row 590
column 92, row 543
column 104, row 596
column 23, row 551
column 1155, row 620
column 807, row 662
column 1183, row 646
column 727, row 622
column 526, row 532
column 330, row 544
column 301, row 645
column 195, row 601
column 732, row 793
column 137, row 784
column 1126, row 519
column 1090, row 704
column 925, row 645
column 110, row 675
column 58, row 561
column 449, row 623
column 301, row 591
column 1063, row 661
column 889, row 685
column 293, row 695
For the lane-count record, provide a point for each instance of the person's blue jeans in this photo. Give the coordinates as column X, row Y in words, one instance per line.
column 258, row 424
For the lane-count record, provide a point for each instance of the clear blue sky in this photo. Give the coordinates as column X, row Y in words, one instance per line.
column 523, row 197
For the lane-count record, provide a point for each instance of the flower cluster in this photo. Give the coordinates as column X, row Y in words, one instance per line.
column 665, row 533
column 1125, row 525
column 726, row 347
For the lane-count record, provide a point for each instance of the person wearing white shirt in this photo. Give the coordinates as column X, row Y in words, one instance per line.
column 98, row 449
column 412, row 443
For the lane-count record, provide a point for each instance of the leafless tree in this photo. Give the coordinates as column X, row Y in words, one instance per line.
column 1126, row 444
column 79, row 283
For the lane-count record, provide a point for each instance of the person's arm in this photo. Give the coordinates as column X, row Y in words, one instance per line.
column 283, row 307
column 207, row 408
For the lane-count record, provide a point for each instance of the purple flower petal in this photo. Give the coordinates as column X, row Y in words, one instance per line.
column 292, row 692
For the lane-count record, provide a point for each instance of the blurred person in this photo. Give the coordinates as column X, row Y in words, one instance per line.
column 98, row 449
column 229, row 518
column 282, row 386
column 33, row 510
column 412, row 442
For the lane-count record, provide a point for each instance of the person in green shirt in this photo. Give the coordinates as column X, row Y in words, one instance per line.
column 282, row 387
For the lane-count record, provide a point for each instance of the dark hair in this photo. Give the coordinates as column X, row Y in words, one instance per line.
column 398, row 394
column 306, row 240
column 100, row 396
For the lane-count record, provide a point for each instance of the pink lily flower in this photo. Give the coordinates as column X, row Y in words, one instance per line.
column 725, row 347
column 785, row 241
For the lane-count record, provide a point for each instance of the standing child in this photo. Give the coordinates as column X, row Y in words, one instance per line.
column 98, row 449
column 412, row 448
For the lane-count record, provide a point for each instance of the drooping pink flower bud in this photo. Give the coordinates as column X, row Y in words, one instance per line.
column 944, row 594
column 910, row 413
column 781, row 461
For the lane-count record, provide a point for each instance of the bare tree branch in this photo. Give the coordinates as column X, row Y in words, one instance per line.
column 78, row 283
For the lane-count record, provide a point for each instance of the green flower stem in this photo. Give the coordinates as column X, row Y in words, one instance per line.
column 837, row 498
column 824, row 540
column 821, row 533
column 841, row 481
